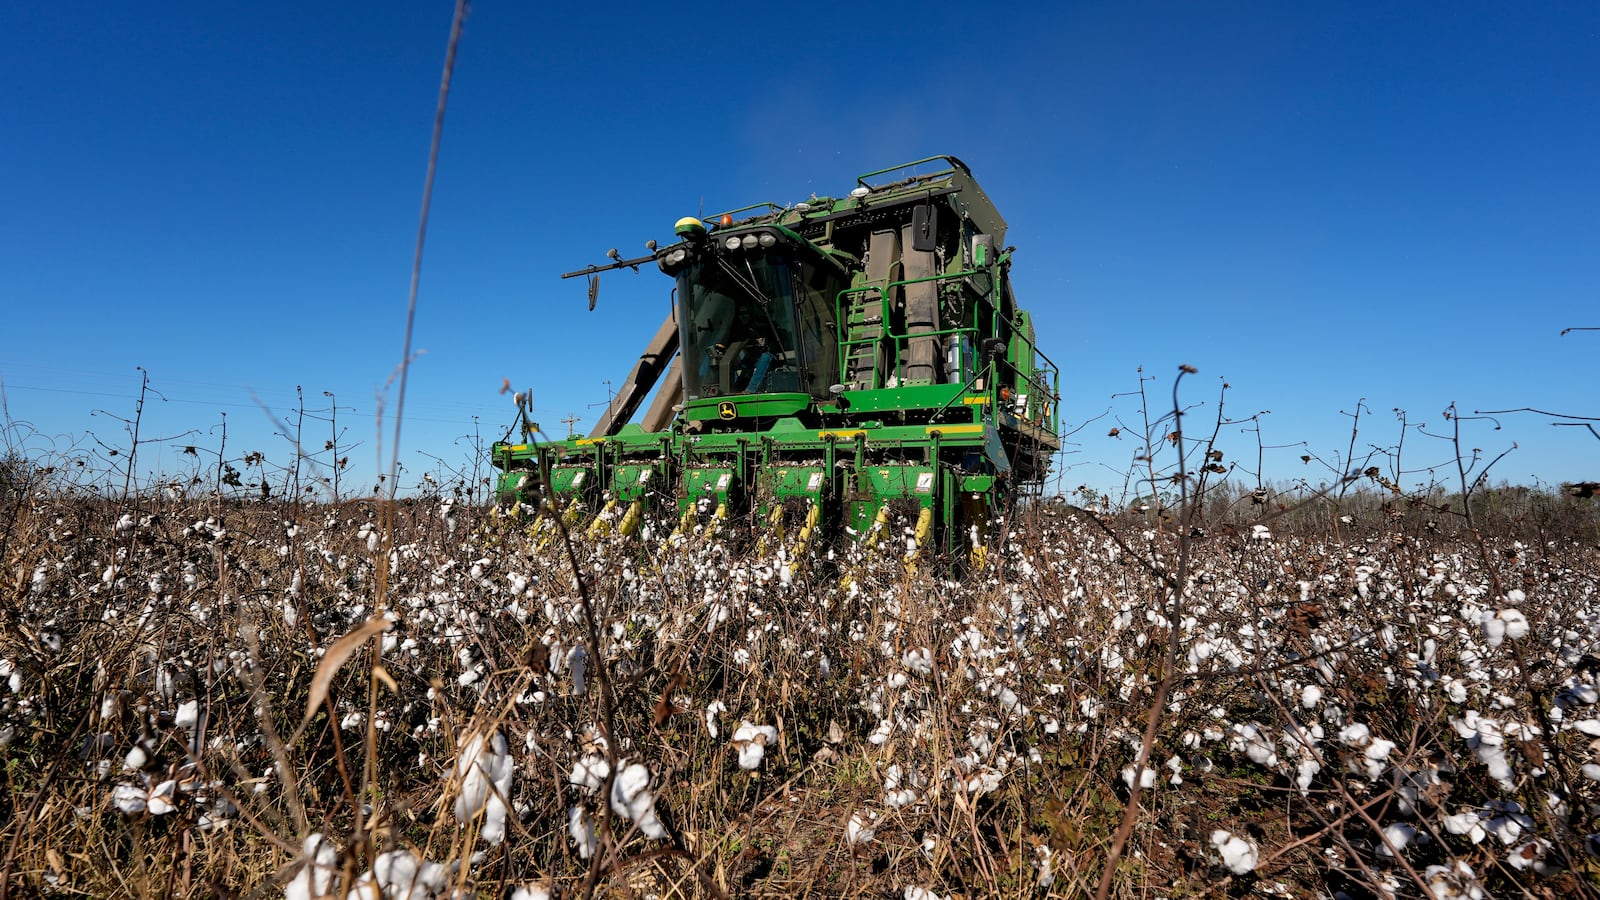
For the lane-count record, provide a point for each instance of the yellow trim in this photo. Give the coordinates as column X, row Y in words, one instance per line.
column 630, row 520
column 955, row 429
column 584, row 441
column 841, row 435
column 812, row 517
column 975, row 401
column 518, row 448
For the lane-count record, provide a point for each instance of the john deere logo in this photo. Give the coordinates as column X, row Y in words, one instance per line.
column 727, row 410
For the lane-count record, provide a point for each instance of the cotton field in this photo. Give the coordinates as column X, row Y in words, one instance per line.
column 204, row 698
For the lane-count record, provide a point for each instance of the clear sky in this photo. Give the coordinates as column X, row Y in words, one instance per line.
column 1317, row 202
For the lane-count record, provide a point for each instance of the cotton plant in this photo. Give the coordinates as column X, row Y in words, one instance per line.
column 751, row 742
column 633, row 799
column 319, row 868
column 1455, row 881
column 484, row 769
column 404, row 875
column 858, row 828
column 1239, row 855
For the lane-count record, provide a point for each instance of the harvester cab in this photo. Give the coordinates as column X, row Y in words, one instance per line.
column 855, row 365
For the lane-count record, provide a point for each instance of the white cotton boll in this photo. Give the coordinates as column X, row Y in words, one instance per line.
column 1310, row 696
column 1308, row 770
column 899, row 798
column 1468, row 823
column 857, row 830
column 1454, row 882
column 919, row 661
column 137, row 758
column 1356, row 735
column 1591, row 771
column 319, row 865
column 751, row 742
column 712, row 709
column 1010, row 702
column 1494, row 629
column 128, row 798
column 590, row 772
column 1147, row 777
column 402, row 875
column 162, row 799
column 1516, row 624
column 1379, row 749
column 881, row 733
column 577, row 658
column 1239, row 854
column 188, row 715
column 1531, row 855
column 1399, row 836
column 1509, row 825
column 484, row 770
column 1043, row 859
column 915, row 892
column 984, row 781
column 581, row 830
column 631, row 798
column 530, row 892
column 1249, row 739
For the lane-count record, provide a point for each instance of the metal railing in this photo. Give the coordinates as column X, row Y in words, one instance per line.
column 1039, row 402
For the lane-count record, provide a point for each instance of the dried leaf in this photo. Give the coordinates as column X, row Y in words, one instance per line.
column 665, row 709
column 337, row 654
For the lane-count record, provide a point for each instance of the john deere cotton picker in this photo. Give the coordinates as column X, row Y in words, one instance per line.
column 840, row 366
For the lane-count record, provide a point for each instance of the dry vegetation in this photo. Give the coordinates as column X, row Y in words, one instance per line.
column 1360, row 696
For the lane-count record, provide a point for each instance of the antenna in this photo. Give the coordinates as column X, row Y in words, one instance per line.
column 571, row 420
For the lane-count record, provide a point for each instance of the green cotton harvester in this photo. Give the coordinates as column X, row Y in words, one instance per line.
column 847, row 366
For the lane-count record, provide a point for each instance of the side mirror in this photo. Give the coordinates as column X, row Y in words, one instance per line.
column 925, row 228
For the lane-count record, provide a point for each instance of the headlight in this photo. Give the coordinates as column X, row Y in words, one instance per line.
column 748, row 242
column 768, row 239
column 732, row 243
column 672, row 260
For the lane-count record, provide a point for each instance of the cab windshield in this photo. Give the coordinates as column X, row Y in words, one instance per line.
column 745, row 331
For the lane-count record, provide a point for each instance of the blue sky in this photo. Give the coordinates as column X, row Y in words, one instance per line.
column 1317, row 202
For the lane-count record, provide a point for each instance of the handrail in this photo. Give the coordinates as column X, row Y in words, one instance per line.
column 1046, row 375
column 765, row 204
column 955, row 165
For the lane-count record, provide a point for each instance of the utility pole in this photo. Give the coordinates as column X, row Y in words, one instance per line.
column 571, row 420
